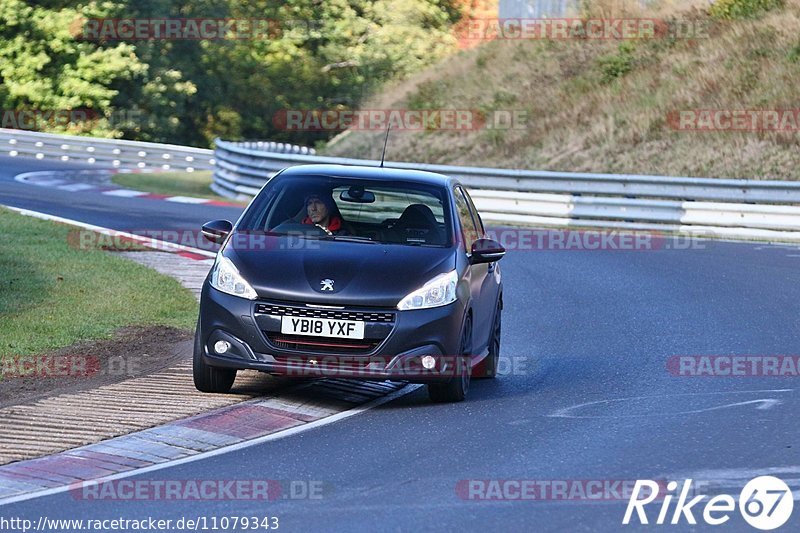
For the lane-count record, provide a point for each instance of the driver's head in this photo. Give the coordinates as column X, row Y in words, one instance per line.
column 320, row 208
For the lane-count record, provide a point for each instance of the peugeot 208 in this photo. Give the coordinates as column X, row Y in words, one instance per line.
column 353, row 272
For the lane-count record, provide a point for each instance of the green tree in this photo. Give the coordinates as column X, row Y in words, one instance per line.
column 319, row 55
column 44, row 65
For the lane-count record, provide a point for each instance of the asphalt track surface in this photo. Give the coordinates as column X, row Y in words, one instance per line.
column 580, row 327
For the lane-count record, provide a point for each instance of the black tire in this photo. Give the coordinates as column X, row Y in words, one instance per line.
column 455, row 390
column 493, row 359
column 209, row 378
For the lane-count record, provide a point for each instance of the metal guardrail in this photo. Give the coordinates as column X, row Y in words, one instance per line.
column 123, row 154
column 113, row 153
column 721, row 207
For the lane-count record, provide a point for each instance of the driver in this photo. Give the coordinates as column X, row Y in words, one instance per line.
column 322, row 211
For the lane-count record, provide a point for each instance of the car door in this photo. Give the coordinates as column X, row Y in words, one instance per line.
column 490, row 290
column 477, row 273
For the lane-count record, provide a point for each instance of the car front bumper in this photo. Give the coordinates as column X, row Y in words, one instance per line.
column 397, row 355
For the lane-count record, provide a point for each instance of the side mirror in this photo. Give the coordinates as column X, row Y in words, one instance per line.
column 486, row 251
column 217, row 230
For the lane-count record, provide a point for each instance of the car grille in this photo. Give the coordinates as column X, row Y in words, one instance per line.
column 322, row 345
column 335, row 314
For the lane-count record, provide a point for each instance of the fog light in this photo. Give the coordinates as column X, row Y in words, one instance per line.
column 221, row 347
column 428, row 362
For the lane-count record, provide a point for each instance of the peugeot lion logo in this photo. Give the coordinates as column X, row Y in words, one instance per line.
column 327, row 284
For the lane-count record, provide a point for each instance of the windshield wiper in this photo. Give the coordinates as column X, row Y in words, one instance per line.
column 348, row 238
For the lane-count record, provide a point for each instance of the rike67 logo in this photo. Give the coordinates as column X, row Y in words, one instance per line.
column 765, row 503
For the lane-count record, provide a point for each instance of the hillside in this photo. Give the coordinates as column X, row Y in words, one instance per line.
column 614, row 106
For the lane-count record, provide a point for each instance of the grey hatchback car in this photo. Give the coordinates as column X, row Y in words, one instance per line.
column 353, row 272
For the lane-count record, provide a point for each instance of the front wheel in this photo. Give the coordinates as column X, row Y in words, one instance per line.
column 456, row 389
column 209, row 378
column 493, row 359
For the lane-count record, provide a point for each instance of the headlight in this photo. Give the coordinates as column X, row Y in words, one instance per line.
column 226, row 278
column 439, row 291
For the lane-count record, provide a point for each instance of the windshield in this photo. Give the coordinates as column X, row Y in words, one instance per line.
column 352, row 209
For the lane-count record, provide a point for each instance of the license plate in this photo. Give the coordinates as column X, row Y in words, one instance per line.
column 322, row 327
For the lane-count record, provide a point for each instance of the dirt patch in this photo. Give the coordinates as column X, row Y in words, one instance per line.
column 132, row 352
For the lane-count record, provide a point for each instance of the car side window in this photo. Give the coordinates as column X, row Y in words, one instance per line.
column 475, row 215
column 468, row 228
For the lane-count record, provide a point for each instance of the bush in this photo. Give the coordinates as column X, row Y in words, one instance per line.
column 794, row 54
column 431, row 94
column 742, row 9
column 615, row 66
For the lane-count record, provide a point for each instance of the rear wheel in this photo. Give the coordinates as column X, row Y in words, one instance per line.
column 456, row 389
column 209, row 378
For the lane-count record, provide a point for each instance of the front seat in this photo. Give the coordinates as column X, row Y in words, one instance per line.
column 418, row 224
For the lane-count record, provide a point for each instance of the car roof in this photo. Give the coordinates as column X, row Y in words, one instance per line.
column 371, row 173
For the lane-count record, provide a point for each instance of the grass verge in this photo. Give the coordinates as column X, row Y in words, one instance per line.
column 194, row 184
column 53, row 295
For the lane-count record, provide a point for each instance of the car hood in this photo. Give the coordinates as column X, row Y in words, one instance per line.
column 363, row 274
